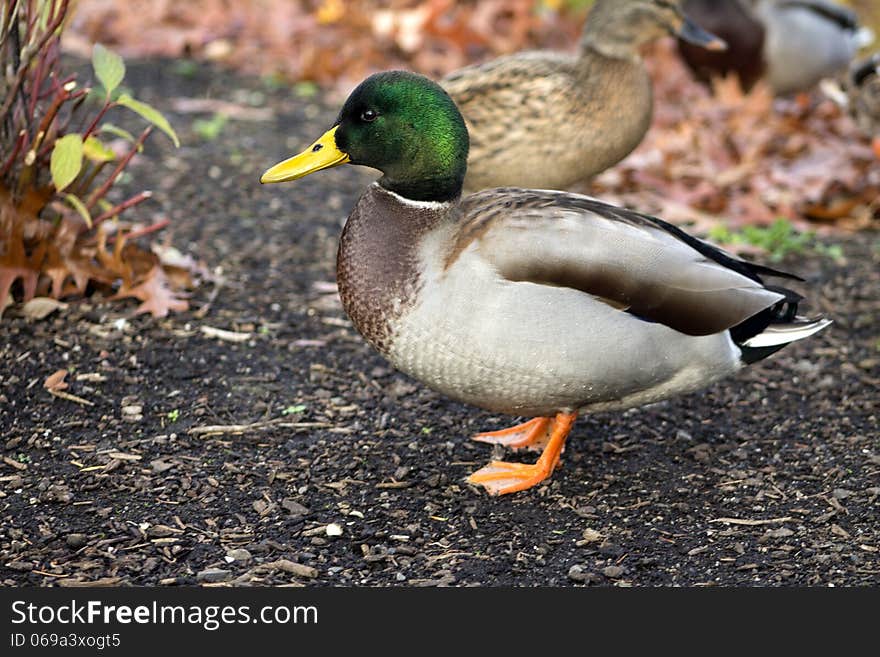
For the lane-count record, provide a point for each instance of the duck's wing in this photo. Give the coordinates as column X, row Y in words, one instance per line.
column 633, row 261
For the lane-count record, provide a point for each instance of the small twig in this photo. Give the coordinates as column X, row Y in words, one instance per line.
column 94, row 124
column 103, row 189
column 203, row 311
column 134, row 200
column 15, row 151
column 256, row 426
column 752, row 523
column 159, row 225
column 69, row 397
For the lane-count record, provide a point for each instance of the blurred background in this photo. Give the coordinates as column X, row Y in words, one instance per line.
column 331, row 40
column 749, row 159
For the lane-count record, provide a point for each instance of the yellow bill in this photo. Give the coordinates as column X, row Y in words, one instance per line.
column 323, row 154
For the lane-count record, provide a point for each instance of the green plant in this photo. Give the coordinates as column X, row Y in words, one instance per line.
column 778, row 240
column 59, row 232
column 210, row 129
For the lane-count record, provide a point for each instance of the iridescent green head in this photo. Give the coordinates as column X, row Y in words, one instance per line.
column 401, row 123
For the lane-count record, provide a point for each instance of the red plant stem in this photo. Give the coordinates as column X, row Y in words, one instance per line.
column 10, row 9
column 122, row 207
column 77, row 98
column 32, row 19
column 84, row 183
column 36, row 84
column 15, row 151
column 49, row 144
column 59, row 13
column 103, row 189
column 159, row 225
column 60, row 98
column 94, row 123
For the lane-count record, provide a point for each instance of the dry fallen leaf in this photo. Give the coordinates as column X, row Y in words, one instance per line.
column 41, row 307
column 55, row 382
column 5, row 303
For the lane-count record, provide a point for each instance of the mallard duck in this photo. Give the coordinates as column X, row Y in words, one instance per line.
column 742, row 31
column 792, row 43
column 550, row 119
column 859, row 92
column 534, row 303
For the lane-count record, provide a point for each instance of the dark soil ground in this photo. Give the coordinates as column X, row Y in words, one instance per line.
column 348, row 473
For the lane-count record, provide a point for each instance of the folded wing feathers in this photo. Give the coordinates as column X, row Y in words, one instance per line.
column 657, row 271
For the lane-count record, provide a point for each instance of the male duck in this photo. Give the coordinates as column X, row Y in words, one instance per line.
column 793, row 43
column 550, row 119
column 528, row 302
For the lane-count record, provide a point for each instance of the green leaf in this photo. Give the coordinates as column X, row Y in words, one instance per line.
column 149, row 113
column 97, row 151
column 108, row 66
column 120, row 132
column 74, row 201
column 66, row 162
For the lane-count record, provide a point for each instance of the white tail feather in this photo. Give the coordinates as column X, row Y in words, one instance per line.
column 864, row 37
column 831, row 88
column 777, row 334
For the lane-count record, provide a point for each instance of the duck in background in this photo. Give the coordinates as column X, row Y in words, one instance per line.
column 859, row 92
column 551, row 119
column 528, row 302
column 793, row 44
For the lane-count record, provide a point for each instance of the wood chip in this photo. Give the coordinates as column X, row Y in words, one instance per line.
column 103, row 581
column 223, row 334
column 752, row 523
column 298, row 569
column 15, row 464
column 122, row 456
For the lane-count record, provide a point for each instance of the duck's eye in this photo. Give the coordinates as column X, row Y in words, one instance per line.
column 369, row 115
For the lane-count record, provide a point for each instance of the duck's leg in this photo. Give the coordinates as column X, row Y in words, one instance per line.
column 876, row 145
column 500, row 477
column 532, row 435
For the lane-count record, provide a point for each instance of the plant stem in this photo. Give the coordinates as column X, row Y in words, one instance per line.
column 152, row 228
column 112, row 212
column 27, row 54
column 94, row 124
column 103, row 189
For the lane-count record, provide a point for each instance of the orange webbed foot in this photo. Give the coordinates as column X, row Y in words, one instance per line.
column 501, row 477
column 532, row 435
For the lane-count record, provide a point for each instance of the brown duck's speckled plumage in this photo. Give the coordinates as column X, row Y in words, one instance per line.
column 548, row 120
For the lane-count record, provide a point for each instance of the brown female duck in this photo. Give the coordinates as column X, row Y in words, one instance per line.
column 550, row 119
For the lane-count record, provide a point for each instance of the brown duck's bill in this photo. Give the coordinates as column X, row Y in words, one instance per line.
column 323, row 154
column 693, row 33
